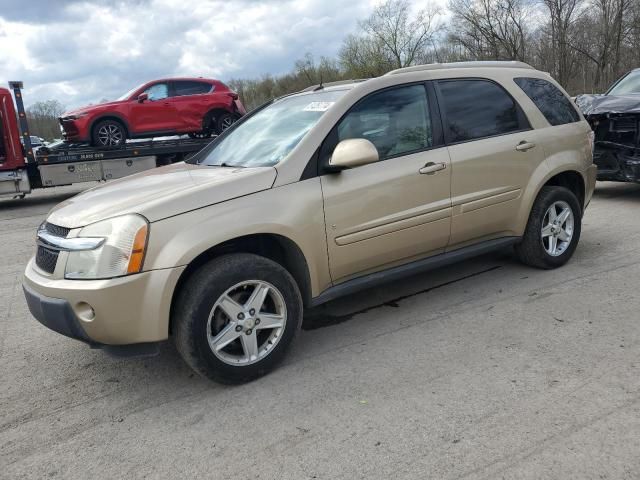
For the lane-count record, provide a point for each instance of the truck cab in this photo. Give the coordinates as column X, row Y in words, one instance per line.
column 11, row 153
column 13, row 173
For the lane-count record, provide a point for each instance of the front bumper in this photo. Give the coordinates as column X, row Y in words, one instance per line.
column 617, row 162
column 56, row 314
column 74, row 130
column 126, row 310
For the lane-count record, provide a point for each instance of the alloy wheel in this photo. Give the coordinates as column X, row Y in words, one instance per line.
column 557, row 228
column 246, row 322
column 110, row 135
column 227, row 121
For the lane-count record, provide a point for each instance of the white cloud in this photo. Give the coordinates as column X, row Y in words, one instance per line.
column 85, row 51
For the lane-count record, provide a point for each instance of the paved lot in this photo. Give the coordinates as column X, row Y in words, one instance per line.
column 482, row 370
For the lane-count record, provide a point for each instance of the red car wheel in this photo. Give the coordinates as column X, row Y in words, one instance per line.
column 109, row 133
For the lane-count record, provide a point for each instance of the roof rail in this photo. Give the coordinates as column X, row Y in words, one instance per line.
column 332, row 84
column 475, row 64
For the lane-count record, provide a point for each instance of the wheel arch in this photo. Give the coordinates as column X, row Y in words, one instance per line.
column 275, row 247
column 573, row 181
column 213, row 113
column 568, row 177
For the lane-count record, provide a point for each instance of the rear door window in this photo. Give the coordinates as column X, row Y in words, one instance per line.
column 184, row 87
column 478, row 108
column 551, row 102
column 396, row 121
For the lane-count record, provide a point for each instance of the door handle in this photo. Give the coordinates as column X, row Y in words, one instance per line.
column 431, row 168
column 523, row 146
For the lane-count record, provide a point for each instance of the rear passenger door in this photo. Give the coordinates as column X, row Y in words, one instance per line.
column 189, row 101
column 394, row 210
column 493, row 152
column 565, row 130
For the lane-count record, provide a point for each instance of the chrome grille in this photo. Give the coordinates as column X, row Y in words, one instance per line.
column 56, row 230
column 47, row 258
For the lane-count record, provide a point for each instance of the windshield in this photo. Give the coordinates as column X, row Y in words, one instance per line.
column 268, row 136
column 629, row 84
column 128, row 94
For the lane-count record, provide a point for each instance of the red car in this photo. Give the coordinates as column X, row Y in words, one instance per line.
column 171, row 106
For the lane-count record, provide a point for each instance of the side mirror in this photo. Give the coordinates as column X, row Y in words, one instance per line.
column 143, row 97
column 353, row 152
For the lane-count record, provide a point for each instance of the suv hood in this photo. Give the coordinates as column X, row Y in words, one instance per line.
column 605, row 104
column 89, row 108
column 162, row 192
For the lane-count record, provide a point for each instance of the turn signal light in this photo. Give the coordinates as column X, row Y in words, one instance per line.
column 137, row 251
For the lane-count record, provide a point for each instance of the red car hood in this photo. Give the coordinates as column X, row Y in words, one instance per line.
column 88, row 108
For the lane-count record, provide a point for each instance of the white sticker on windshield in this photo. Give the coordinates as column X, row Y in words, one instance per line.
column 318, row 106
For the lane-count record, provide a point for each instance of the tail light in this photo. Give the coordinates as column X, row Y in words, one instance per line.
column 591, row 138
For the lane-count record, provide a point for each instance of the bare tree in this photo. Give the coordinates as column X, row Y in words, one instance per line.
column 43, row 118
column 491, row 29
column 584, row 44
column 364, row 58
column 559, row 34
column 392, row 37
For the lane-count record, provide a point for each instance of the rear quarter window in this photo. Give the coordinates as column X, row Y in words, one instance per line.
column 552, row 103
column 478, row 108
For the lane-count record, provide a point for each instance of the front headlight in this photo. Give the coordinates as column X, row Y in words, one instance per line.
column 121, row 253
column 75, row 116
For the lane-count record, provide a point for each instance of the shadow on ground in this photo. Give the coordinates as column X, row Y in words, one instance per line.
column 616, row 190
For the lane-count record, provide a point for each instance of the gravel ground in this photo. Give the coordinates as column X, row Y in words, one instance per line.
column 486, row 369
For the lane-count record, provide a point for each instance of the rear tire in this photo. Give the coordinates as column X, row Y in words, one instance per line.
column 222, row 331
column 553, row 229
column 108, row 133
column 208, row 127
column 224, row 121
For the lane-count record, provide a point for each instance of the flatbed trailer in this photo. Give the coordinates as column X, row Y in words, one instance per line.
column 22, row 169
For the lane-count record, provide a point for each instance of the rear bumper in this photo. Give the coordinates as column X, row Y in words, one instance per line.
column 239, row 108
column 592, row 173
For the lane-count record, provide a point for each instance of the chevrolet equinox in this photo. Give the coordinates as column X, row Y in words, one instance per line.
column 311, row 197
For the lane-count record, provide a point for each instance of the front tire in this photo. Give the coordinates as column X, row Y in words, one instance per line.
column 553, row 229
column 236, row 317
column 108, row 133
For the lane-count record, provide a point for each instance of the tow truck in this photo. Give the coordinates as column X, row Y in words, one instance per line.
column 22, row 169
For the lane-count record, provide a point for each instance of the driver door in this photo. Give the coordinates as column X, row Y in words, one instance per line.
column 395, row 210
column 157, row 114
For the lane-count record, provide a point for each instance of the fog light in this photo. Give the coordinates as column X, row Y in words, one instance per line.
column 85, row 312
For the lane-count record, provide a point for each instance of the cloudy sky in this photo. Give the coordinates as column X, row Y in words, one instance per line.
column 79, row 52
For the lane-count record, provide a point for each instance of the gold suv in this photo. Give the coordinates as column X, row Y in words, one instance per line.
column 311, row 197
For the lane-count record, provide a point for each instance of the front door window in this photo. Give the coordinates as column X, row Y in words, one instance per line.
column 159, row 91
